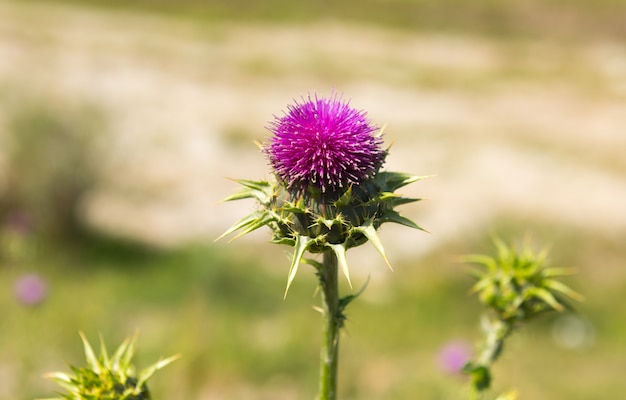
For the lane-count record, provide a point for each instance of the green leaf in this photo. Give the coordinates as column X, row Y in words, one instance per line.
column 544, row 295
column 340, row 252
column 369, row 231
column 260, row 222
column 129, row 353
column 345, row 199
column 391, row 181
column 148, row 372
column 302, row 243
column 393, row 216
column 481, row 377
column 316, row 264
column 92, row 361
column 103, row 354
column 558, row 272
column 117, row 360
column 562, row 288
column 344, row 301
column 248, row 224
column 261, row 190
column 482, row 284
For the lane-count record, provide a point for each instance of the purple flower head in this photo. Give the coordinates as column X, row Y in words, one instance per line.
column 30, row 289
column 324, row 144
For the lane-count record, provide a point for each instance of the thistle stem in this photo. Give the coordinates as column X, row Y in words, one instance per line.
column 330, row 331
column 496, row 331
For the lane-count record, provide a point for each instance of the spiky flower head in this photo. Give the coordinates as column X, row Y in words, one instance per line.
column 323, row 144
column 516, row 285
column 108, row 377
column 329, row 194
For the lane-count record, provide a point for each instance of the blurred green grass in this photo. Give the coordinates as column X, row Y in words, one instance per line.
column 222, row 309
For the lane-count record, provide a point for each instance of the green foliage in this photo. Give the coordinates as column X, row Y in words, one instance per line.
column 108, row 377
column 516, row 285
column 307, row 224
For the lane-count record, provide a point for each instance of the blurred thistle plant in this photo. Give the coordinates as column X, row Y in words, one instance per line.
column 515, row 286
column 329, row 196
column 108, row 377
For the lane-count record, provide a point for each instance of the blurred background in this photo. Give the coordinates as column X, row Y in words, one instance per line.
column 121, row 122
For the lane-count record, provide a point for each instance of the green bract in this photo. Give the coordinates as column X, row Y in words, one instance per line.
column 108, row 378
column 314, row 224
column 516, row 285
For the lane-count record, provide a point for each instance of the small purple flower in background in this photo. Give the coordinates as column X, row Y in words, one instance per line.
column 453, row 356
column 325, row 144
column 30, row 289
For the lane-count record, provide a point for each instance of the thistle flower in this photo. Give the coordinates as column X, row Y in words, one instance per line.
column 329, row 196
column 324, row 144
column 329, row 193
column 515, row 286
column 108, row 377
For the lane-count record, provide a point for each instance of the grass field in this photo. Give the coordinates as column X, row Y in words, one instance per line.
column 517, row 108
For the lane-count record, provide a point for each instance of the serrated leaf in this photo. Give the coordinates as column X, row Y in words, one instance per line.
column 302, row 243
column 340, row 252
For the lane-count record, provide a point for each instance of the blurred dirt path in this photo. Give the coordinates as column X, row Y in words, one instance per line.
column 535, row 129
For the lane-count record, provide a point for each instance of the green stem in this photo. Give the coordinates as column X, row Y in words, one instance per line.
column 330, row 331
column 496, row 331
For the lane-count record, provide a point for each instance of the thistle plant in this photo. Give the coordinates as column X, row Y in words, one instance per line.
column 108, row 377
column 515, row 287
column 328, row 195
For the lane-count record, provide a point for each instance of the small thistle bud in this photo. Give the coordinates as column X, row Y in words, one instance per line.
column 516, row 285
column 108, row 377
